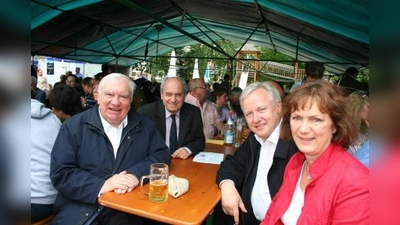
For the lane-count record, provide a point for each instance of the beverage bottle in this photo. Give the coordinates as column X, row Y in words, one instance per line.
column 229, row 136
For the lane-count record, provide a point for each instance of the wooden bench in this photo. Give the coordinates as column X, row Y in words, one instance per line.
column 44, row 221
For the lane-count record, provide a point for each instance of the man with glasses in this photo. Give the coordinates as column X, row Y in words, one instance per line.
column 197, row 96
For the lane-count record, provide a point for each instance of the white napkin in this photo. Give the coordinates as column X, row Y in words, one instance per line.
column 177, row 186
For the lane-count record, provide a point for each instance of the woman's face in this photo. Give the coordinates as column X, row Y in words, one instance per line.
column 221, row 100
column 312, row 130
column 39, row 72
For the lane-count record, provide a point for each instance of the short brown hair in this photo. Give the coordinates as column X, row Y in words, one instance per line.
column 330, row 100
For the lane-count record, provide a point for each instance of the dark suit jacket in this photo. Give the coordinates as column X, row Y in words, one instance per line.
column 241, row 168
column 190, row 124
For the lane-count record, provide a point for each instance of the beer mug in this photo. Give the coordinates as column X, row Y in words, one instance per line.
column 239, row 129
column 158, row 183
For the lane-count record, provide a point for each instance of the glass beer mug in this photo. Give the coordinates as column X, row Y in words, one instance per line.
column 158, row 183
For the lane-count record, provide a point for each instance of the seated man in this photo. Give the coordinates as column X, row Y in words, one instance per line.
column 212, row 122
column 189, row 126
column 234, row 103
column 251, row 177
column 105, row 148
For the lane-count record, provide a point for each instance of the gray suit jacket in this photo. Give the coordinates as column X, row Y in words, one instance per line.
column 190, row 124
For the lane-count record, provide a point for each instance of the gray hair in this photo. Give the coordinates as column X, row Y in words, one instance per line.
column 117, row 76
column 184, row 84
column 263, row 85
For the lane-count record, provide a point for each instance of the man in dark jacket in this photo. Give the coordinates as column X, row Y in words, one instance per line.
column 190, row 138
column 251, row 177
column 349, row 83
column 105, row 148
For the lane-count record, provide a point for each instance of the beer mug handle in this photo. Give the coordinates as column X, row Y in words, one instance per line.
column 141, row 183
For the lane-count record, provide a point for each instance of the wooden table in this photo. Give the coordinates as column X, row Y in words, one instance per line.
column 190, row 208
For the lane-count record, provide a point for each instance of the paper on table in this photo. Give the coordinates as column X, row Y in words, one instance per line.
column 209, row 157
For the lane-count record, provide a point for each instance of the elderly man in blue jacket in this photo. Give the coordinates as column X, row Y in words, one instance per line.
column 106, row 148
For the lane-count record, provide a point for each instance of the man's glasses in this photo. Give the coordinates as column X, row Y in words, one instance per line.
column 203, row 87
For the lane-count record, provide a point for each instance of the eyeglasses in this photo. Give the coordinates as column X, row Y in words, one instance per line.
column 203, row 87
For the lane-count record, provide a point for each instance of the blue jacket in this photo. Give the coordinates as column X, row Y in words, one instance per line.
column 83, row 158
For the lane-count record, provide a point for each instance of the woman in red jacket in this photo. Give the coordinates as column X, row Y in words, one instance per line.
column 322, row 184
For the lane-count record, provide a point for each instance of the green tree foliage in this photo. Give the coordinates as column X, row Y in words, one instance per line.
column 223, row 64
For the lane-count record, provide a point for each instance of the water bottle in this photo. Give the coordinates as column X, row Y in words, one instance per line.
column 229, row 136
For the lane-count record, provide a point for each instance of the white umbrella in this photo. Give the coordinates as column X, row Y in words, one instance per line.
column 172, row 65
column 207, row 74
column 196, row 69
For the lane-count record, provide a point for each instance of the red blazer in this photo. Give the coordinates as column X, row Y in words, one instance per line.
column 337, row 194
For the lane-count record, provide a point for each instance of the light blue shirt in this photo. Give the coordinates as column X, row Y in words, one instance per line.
column 363, row 154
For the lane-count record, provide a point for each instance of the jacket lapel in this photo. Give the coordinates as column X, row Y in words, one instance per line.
column 160, row 118
column 183, row 123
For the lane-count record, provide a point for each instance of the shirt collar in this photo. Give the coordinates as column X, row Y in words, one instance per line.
column 168, row 114
column 274, row 137
column 107, row 125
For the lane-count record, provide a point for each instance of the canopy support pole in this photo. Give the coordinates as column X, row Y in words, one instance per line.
column 248, row 38
column 264, row 20
column 296, row 63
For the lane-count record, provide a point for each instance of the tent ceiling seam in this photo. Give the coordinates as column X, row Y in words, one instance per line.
column 135, row 6
column 190, row 18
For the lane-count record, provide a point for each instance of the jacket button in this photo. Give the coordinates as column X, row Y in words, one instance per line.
column 87, row 214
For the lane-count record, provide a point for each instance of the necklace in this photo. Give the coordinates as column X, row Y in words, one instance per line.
column 306, row 169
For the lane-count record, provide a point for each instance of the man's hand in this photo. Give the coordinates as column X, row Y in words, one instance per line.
column 120, row 183
column 231, row 201
column 180, row 153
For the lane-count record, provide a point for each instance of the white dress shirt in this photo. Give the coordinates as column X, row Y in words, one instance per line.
column 114, row 134
column 260, row 195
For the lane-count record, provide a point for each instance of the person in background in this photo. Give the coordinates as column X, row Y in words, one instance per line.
column 44, row 129
column 88, row 99
column 358, row 106
column 313, row 70
column 220, row 98
column 33, row 71
column 42, row 82
column 211, row 90
column 278, row 88
column 78, row 73
column 65, row 102
column 63, row 80
column 103, row 149
column 190, row 136
column 96, row 81
column 349, row 82
column 105, row 70
column 197, row 96
column 74, row 82
column 251, row 177
column 322, row 184
column 40, row 95
column 363, row 154
column 234, row 103
column 68, row 73
column 226, row 83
